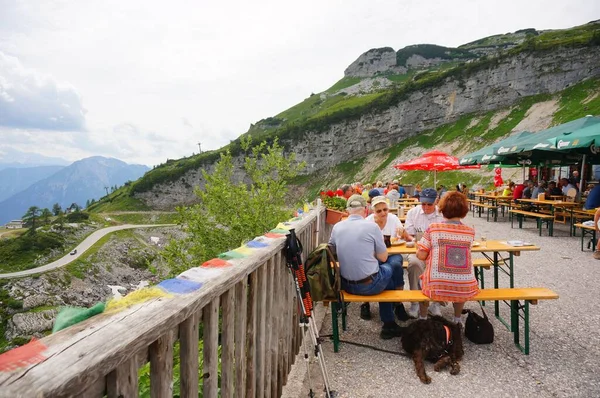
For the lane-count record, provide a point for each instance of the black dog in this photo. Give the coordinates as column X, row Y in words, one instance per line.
column 437, row 340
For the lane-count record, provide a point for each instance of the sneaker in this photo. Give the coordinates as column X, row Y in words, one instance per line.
column 434, row 309
column 413, row 311
column 390, row 330
column 365, row 311
column 401, row 313
column 597, row 255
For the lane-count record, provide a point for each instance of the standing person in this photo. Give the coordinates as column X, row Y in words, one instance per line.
column 347, row 190
column 418, row 220
column 446, row 246
column 363, row 259
column 390, row 225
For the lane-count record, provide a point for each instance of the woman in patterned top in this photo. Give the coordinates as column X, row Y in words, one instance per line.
column 446, row 248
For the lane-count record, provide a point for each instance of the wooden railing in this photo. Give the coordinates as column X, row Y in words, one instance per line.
column 258, row 337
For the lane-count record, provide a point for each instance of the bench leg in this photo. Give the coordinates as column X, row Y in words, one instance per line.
column 516, row 306
column 551, row 223
column 334, row 327
column 582, row 237
column 520, row 217
column 540, row 224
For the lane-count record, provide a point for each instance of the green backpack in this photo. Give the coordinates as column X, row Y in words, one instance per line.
column 323, row 274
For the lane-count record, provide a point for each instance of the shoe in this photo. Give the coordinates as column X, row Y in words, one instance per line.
column 597, row 255
column 390, row 330
column 401, row 313
column 365, row 311
column 413, row 311
column 434, row 309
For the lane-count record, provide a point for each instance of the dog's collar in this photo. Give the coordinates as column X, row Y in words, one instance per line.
column 448, row 341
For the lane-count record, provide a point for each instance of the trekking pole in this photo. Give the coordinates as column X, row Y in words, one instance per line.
column 305, row 305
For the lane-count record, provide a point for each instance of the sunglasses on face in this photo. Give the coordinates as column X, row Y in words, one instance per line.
column 382, row 210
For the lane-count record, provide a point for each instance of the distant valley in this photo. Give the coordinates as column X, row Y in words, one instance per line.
column 43, row 186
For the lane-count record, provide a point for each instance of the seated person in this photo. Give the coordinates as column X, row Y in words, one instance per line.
column 553, row 189
column 528, row 191
column 541, row 188
column 508, row 191
column 596, row 220
column 362, row 256
column 390, row 226
column 518, row 191
column 566, row 186
column 392, row 196
column 593, row 199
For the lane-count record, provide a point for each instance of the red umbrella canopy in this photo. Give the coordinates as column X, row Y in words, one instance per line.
column 434, row 161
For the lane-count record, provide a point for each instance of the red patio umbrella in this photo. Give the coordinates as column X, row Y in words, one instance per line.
column 434, row 161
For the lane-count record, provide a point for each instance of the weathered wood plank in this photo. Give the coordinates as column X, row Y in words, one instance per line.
column 268, row 325
column 210, row 320
column 251, row 336
column 276, row 314
column 161, row 366
column 227, row 340
column 188, row 352
column 96, row 389
column 260, row 334
column 123, row 381
column 281, row 355
column 241, row 304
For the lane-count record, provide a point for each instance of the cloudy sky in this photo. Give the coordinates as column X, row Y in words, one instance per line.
column 144, row 81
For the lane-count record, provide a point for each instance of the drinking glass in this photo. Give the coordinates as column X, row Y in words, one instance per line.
column 483, row 241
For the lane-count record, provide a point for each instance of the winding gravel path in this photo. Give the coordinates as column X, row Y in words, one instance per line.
column 81, row 248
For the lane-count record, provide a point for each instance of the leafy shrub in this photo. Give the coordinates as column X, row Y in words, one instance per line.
column 77, row 216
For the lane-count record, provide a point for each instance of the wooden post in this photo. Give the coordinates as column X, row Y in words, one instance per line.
column 188, row 352
column 251, row 337
column 161, row 366
column 227, row 337
column 123, row 381
column 210, row 319
column 282, row 364
column 276, row 311
column 269, row 325
column 241, row 304
column 260, row 336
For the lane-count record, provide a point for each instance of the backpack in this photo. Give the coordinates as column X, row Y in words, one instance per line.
column 323, row 274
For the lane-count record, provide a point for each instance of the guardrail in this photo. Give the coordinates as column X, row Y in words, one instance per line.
column 255, row 342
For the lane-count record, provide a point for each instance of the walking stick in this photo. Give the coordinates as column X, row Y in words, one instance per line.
column 305, row 305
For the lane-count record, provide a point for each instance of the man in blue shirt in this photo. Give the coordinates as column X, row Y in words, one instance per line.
column 360, row 249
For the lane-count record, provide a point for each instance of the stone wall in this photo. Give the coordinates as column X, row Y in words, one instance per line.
column 489, row 89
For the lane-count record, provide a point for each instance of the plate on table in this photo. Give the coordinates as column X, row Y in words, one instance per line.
column 475, row 244
column 398, row 242
column 515, row 243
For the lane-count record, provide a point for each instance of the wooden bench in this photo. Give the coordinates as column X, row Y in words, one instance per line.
column 587, row 230
column 517, row 298
column 540, row 217
column 490, row 209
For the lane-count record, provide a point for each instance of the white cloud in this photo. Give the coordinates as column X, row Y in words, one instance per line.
column 29, row 99
column 142, row 64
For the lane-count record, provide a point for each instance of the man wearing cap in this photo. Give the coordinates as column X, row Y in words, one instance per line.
column 417, row 221
column 360, row 249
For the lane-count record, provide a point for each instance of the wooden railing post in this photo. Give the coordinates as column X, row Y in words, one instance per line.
column 210, row 318
column 241, row 304
column 161, row 366
column 227, row 339
column 123, row 381
column 188, row 349
column 251, row 336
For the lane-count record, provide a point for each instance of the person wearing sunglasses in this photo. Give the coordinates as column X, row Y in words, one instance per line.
column 389, row 224
column 418, row 220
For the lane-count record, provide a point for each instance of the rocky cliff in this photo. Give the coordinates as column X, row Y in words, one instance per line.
column 499, row 85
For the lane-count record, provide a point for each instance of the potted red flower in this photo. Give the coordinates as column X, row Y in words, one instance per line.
column 336, row 207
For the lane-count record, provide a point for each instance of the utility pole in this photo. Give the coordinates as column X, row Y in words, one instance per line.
column 199, row 148
column 106, row 188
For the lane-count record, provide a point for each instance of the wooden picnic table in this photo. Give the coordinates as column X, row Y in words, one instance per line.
column 490, row 250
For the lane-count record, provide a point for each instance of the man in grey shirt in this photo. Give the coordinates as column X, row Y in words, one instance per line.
column 360, row 249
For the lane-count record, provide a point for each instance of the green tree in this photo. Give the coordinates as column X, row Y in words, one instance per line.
column 45, row 215
column 31, row 216
column 56, row 209
column 233, row 210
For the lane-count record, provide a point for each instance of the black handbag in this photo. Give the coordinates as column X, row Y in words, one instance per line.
column 479, row 329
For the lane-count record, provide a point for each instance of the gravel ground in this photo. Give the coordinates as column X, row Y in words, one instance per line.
column 565, row 337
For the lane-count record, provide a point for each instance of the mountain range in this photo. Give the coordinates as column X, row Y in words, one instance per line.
column 79, row 182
